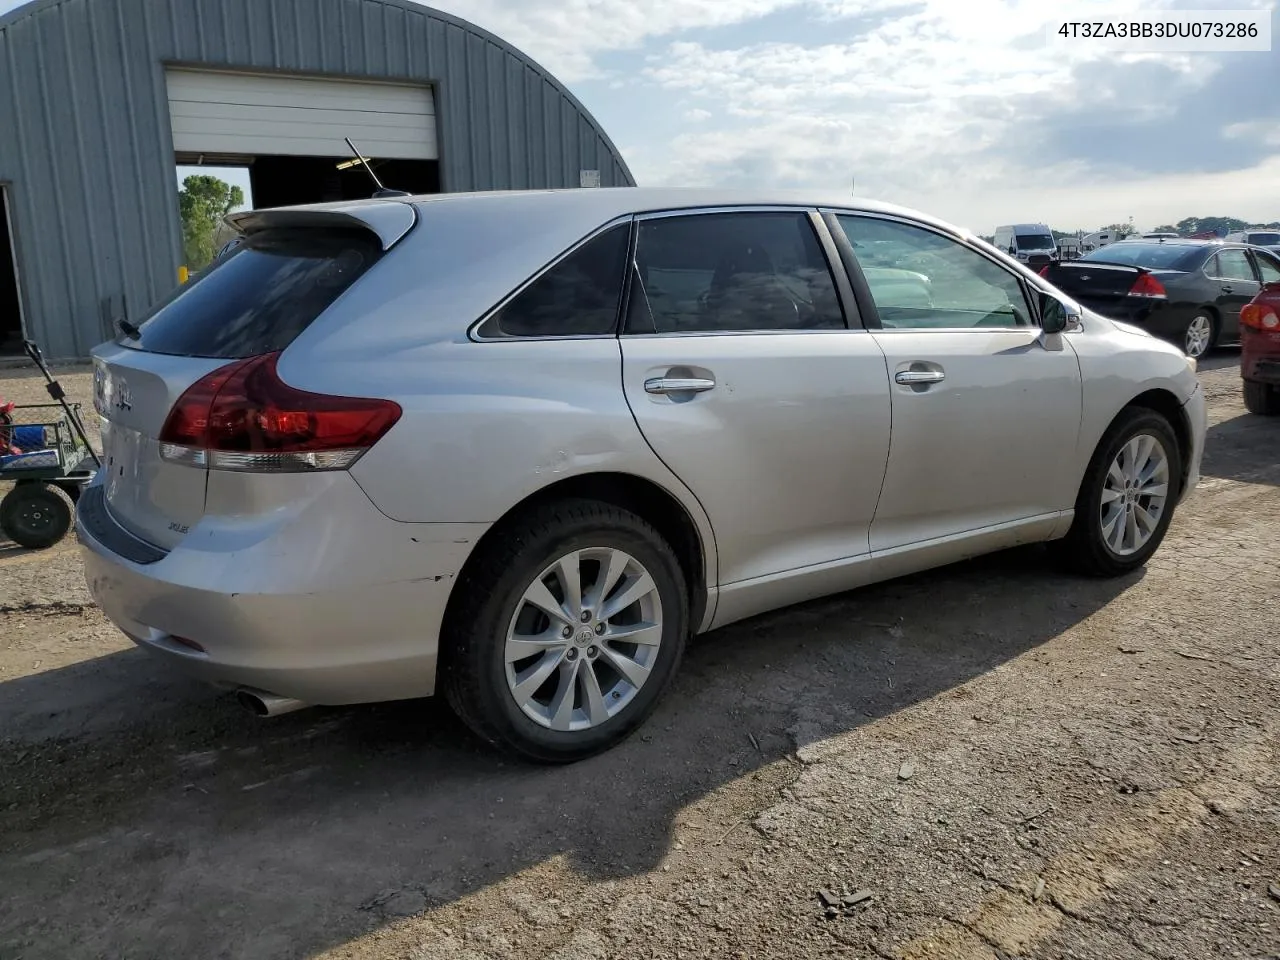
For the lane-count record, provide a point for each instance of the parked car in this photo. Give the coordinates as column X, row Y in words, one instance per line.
column 1259, row 237
column 517, row 447
column 1260, row 351
column 1187, row 291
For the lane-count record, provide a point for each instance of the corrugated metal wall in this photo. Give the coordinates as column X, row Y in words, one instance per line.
column 86, row 152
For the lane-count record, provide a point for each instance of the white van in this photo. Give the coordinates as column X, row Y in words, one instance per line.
column 1032, row 243
column 1257, row 237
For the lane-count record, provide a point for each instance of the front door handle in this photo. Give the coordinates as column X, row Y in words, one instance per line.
column 1227, row 288
column 913, row 377
column 659, row 385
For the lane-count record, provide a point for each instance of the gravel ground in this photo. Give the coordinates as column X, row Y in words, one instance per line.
column 986, row 762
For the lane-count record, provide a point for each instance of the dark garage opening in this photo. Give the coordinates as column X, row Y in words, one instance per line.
column 284, row 181
column 10, row 306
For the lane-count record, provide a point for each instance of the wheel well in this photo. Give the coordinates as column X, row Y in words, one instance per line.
column 641, row 497
column 1168, row 406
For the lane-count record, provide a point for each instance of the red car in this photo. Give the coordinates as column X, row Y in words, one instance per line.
column 1260, row 351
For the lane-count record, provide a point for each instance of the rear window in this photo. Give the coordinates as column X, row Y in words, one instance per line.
column 1265, row 239
column 1158, row 256
column 259, row 297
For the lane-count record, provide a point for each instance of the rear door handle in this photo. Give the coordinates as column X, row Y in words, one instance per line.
column 919, row 376
column 1227, row 288
column 659, row 385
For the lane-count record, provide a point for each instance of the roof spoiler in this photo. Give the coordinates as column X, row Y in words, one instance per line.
column 388, row 221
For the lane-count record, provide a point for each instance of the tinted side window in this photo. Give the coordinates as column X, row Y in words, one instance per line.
column 260, row 297
column 1269, row 267
column 576, row 297
column 1234, row 265
column 921, row 279
column 731, row 271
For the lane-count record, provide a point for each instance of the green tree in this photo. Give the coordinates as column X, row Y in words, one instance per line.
column 203, row 201
column 1219, row 225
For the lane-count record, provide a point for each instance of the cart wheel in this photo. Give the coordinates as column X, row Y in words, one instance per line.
column 72, row 490
column 35, row 515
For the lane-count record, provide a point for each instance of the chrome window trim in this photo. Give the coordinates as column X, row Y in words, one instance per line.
column 667, row 212
column 1221, row 250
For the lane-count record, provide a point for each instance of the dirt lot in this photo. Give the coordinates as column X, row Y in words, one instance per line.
column 993, row 761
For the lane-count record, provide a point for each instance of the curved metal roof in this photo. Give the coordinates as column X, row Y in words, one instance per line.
column 88, row 165
column 36, row 6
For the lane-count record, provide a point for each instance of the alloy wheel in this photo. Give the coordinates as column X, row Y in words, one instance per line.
column 1135, row 494
column 584, row 639
column 1198, row 337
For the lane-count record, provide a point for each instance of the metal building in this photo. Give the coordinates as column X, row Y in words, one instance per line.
column 100, row 99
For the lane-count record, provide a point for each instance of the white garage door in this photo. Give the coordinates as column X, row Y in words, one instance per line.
column 255, row 114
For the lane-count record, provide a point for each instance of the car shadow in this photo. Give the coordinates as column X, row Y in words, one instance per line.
column 1232, row 449
column 132, row 800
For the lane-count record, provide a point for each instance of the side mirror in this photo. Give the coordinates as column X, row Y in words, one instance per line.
column 1055, row 316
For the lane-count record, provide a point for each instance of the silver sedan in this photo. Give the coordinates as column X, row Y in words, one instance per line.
column 517, row 448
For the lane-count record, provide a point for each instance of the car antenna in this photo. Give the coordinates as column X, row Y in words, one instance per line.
column 381, row 192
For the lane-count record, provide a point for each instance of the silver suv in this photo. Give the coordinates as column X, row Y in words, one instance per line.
column 518, row 447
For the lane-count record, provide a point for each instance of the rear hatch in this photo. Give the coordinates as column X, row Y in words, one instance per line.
column 293, row 264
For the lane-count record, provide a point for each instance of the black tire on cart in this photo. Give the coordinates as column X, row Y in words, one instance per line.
column 35, row 514
column 72, row 490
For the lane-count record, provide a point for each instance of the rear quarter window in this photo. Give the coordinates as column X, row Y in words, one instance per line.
column 259, row 297
column 578, row 296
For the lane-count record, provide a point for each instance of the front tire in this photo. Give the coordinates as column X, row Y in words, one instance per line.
column 1127, row 498
column 1262, row 398
column 568, row 628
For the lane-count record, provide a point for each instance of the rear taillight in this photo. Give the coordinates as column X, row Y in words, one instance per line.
column 1147, row 286
column 1259, row 316
column 244, row 417
column 1044, row 271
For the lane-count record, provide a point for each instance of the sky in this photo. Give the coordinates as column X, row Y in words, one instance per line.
column 959, row 108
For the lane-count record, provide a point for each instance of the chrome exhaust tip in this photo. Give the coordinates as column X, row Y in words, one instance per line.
column 266, row 704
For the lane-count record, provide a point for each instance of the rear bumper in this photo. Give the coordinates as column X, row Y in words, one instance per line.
column 1260, row 356
column 329, row 602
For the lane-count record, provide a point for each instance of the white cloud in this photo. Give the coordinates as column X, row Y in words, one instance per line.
column 925, row 110
column 566, row 36
column 930, row 103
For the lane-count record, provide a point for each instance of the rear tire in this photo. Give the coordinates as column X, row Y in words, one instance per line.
column 1114, row 531
column 1200, row 335
column 595, row 691
column 1262, row 398
column 35, row 515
